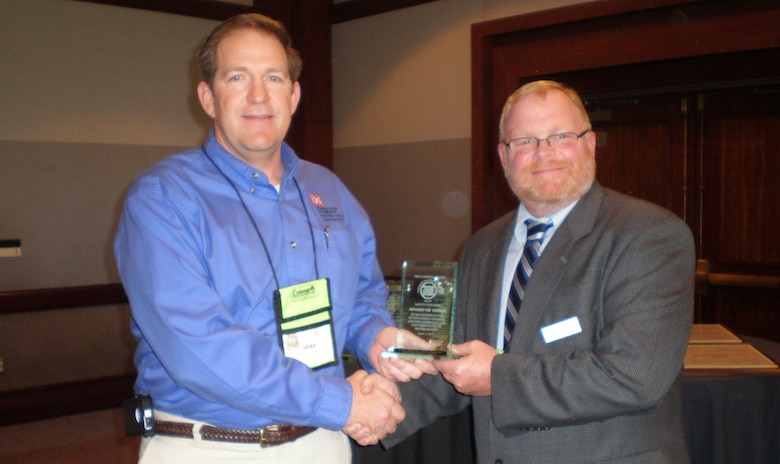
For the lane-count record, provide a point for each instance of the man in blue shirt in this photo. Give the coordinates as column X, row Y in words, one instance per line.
column 209, row 243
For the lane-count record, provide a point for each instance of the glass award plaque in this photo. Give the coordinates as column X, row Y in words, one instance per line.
column 424, row 304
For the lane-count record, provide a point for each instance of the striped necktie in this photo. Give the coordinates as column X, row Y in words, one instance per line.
column 525, row 267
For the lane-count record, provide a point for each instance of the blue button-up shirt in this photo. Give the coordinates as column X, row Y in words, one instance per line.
column 201, row 286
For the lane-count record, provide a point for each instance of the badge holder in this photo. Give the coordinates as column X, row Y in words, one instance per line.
column 305, row 323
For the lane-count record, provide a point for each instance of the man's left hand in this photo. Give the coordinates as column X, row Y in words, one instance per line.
column 399, row 369
column 470, row 374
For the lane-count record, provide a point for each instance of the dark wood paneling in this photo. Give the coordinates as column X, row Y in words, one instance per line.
column 219, row 10
column 741, row 190
column 61, row 298
column 744, row 310
column 586, row 37
column 656, row 171
column 207, row 9
column 30, row 404
column 679, row 144
column 740, row 202
column 311, row 133
column 355, row 9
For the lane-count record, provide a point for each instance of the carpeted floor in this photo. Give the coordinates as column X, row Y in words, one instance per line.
column 91, row 438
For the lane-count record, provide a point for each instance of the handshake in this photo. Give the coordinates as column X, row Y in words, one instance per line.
column 376, row 402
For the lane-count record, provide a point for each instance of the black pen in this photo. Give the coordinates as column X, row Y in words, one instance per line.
column 327, row 240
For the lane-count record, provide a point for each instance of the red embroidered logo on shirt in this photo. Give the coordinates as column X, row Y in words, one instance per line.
column 316, row 200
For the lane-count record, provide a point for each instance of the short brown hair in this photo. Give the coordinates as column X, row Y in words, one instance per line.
column 540, row 88
column 207, row 53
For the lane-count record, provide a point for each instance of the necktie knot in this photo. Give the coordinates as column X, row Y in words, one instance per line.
column 537, row 229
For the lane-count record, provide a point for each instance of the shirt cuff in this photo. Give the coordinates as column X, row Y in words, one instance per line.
column 335, row 403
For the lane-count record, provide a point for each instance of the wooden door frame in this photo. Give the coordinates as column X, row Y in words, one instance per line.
column 600, row 34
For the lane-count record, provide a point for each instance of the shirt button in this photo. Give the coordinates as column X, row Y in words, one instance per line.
column 252, row 190
column 255, row 175
column 293, row 244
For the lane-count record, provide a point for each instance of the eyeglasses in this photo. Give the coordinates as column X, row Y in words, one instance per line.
column 525, row 145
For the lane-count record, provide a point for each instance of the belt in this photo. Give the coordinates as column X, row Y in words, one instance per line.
column 267, row 436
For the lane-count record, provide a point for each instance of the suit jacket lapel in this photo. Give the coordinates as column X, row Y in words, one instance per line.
column 552, row 265
column 490, row 273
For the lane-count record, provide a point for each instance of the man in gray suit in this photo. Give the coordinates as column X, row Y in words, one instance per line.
column 586, row 365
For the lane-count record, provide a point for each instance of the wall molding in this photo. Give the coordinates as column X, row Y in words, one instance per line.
column 47, row 299
column 55, row 400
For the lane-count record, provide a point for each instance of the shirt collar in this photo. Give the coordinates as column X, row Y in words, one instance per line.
column 557, row 219
column 244, row 176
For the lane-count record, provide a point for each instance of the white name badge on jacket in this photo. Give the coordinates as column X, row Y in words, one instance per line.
column 561, row 329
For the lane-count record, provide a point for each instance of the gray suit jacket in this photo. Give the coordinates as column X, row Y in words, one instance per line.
column 611, row 393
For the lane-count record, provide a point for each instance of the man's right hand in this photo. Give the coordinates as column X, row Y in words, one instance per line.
column 376, row 408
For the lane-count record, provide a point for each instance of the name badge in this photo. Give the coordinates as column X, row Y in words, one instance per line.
column 561, row 329
column 305, row 325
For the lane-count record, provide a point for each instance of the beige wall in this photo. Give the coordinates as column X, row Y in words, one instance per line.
column 405, row 76
column 88, row 73
column 91, row 96
column 402, row 121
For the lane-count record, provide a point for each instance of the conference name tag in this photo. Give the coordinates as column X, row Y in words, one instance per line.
column 305, row 324
column 561, row 329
